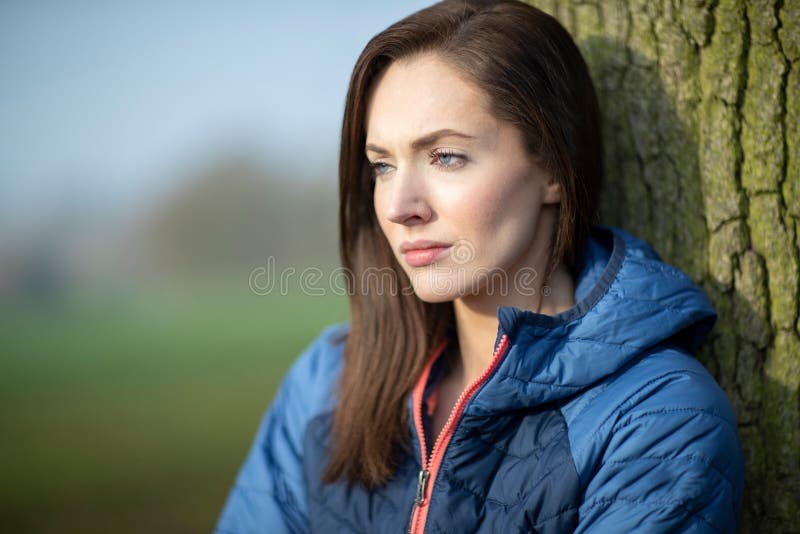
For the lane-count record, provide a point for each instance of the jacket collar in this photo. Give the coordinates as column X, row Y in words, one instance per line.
column 627, row 302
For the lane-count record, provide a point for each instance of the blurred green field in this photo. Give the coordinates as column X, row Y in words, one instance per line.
column 133, row 413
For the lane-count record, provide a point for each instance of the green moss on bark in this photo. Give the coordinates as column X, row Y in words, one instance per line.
column 776, row 244
column 701, row 103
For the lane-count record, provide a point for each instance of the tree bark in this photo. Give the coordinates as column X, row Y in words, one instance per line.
column 701, row 109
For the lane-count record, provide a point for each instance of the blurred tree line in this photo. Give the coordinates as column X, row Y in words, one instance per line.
column 220, row 221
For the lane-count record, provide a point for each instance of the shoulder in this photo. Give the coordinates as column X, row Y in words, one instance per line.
column 269, row 488
column 309, row 383
column 665, row 388
column 658, row 432
column 322, row 357
column 306, row 391
column 661, row 377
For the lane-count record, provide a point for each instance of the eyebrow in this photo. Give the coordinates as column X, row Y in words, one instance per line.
column 424, row 141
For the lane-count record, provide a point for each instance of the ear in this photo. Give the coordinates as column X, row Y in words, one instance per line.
column 552, row 192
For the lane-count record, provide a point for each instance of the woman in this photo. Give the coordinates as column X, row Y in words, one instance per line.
column 508, row 367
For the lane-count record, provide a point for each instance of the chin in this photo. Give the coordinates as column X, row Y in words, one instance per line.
column 432, row 297
column 434, row 289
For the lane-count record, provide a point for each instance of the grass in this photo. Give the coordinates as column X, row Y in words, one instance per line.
column 133, row 414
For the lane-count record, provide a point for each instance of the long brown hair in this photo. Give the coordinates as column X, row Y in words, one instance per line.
column 536, row 79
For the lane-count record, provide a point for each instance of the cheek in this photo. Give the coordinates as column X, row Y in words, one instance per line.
column 379, row 208
column 501, row 203
column 501, row 217
column 388, row 229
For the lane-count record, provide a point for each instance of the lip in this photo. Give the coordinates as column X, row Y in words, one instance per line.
column 423, row 252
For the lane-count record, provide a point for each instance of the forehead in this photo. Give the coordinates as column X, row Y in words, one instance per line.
column 422, row 94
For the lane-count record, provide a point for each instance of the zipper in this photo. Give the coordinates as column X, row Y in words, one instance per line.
column 430, row 465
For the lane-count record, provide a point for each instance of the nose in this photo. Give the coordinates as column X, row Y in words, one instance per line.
column 407, row 202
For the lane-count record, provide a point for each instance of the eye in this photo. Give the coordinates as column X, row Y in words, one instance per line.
column 379, row 168
column 447, row 159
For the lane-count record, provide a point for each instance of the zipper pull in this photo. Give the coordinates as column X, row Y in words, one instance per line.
column 421, row 486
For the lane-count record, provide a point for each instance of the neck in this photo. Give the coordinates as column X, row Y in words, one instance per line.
column 476, row 321
column 476, row 315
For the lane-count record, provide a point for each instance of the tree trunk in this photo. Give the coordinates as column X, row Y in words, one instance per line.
column 701, row 103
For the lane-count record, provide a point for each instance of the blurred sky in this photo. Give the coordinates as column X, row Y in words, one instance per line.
column 104, row 102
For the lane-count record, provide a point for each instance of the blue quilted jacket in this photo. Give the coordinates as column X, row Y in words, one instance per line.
column 598, row 419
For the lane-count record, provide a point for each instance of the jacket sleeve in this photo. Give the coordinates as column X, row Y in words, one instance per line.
column 269, row 492
column 671, row 461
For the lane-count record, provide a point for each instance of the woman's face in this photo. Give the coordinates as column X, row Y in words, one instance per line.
column 457, row 195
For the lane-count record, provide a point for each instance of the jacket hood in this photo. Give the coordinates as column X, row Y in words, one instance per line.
column 627, row 303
